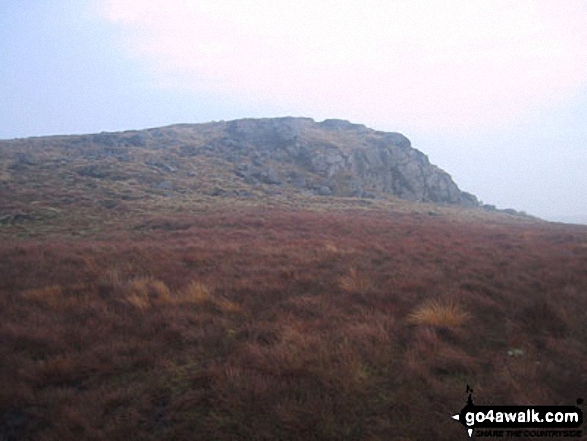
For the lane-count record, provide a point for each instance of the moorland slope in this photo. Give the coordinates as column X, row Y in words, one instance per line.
column 143, row 299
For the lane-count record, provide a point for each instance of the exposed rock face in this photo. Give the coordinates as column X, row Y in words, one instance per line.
column 245, row 157
column 336, row 157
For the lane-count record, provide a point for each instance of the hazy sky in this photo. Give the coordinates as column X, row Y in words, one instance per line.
column 493, row 91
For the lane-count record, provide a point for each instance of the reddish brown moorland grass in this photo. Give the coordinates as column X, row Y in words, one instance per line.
column 442, row 314
column 288, row 325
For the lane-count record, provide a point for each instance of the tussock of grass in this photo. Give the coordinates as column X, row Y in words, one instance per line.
column 196, row 293
column 47, row 296
column 144, row 292
column 59, row 296
column 447, row 314
column 355, row 282
column 228, row 307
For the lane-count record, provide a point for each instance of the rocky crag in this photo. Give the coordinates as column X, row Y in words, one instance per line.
column 247, row 157
column 335, row 157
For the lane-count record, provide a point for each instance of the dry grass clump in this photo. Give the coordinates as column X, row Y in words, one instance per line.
column 59, row 296
column 228, row 307
column 144, row 292
column 355, row 282
column 447, row 314
column 47, row 296
column 195, row 293
column 331, row 247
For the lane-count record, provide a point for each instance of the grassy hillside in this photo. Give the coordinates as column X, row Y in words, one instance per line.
column 154, row 286
column 229, row 319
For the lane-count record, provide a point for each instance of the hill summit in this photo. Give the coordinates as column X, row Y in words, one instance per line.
column 249, row 156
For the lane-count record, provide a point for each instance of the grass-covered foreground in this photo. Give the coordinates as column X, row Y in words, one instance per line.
column 283, row 325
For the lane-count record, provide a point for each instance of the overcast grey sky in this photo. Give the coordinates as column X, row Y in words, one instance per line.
column 493, row 91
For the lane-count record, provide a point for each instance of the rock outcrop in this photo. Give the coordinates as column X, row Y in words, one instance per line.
column 245, row 157
column 334, row 157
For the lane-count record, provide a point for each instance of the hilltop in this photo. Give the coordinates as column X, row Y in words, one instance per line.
column 276, row 155
column 82, row 181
